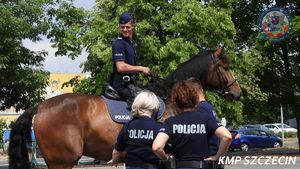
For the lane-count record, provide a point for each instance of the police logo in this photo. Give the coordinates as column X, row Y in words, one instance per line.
column 274, row 24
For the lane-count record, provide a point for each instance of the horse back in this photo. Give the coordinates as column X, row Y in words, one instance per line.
column 78, row 122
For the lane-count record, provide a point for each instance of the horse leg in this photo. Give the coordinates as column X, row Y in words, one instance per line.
column 62, row 152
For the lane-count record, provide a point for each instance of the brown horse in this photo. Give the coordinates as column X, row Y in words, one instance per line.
column 71, row 125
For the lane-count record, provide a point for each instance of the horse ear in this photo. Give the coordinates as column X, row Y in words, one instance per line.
column 218, row 52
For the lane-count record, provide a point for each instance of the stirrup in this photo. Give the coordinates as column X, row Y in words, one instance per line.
column 129, row 104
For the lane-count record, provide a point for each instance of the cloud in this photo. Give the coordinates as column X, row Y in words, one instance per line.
column 56, row 64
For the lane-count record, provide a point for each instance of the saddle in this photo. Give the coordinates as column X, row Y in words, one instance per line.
column 118, row 108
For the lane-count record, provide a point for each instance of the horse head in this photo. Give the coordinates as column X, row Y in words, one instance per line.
column 210, row 67
column 220, row 78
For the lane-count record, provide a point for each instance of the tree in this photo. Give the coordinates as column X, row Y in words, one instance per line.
column 279, row 78
column 22, row 79
column 167, row 34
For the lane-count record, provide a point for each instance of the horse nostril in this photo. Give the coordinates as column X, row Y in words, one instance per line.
column 237, row 96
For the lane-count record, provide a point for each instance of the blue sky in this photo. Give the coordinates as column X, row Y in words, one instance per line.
column 86, row 4
column 60, row 64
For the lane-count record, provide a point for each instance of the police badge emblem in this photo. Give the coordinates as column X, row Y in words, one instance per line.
column 274, row 24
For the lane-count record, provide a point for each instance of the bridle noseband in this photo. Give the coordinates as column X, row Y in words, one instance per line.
column 222, row 81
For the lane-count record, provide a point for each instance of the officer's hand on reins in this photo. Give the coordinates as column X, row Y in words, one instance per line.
column 145, row 70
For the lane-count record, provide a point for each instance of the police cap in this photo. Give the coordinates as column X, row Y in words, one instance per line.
column 124, row 18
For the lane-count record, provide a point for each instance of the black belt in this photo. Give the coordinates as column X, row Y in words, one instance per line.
column 189, row 164
column 145, row 165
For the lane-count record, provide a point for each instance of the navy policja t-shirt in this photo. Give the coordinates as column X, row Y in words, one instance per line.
column 189, row 132
column 214, row 141
column 142, row 131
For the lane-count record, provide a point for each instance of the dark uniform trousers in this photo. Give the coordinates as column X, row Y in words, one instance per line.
column 197, row 164
column 142, row 166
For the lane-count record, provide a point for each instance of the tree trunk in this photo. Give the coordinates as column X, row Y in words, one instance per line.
column 289, row 92
column 297, row 115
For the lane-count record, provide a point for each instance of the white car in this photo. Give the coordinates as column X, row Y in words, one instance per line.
column 276, row 127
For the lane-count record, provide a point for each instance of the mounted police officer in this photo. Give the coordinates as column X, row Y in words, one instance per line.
column 136, row 137
column 190, row 130
column 125, row 68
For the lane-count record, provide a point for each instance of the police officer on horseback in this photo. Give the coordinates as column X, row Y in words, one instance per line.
column 125, row 68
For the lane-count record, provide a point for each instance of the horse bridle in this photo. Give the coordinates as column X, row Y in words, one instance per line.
column 222, row 81
column 224, row 86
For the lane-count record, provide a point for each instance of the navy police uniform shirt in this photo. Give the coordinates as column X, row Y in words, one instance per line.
column 188, row 133
column 122, row 50
column 136, row 139
column 214, row 141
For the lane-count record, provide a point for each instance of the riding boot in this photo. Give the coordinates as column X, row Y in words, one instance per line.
column 129, row 103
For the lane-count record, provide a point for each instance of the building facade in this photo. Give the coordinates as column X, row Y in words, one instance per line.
column 54, row 88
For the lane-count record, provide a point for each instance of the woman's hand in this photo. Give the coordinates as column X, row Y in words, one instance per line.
column 115, row 158
column 113, row 163
column 212, row 158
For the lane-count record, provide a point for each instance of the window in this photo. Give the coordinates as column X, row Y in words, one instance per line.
column 250, row 133
column 262, row 133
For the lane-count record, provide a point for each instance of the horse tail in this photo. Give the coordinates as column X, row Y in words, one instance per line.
column 20, row 135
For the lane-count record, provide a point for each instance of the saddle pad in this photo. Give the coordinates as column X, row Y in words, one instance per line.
column 118, row 110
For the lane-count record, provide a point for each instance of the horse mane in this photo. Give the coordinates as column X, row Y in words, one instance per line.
column 196, row 67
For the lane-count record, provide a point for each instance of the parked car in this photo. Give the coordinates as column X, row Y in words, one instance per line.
column 258, row 127
column 276, row 127
column 244, row 139
column 6, row 135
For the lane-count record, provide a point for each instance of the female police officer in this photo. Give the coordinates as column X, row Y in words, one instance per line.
column 189, row 130
column 136, row 137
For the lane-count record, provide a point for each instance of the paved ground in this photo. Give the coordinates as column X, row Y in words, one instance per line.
column 236, row 160
column 244, row 164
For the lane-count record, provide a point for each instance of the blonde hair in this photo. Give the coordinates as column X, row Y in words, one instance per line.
column 145, row 101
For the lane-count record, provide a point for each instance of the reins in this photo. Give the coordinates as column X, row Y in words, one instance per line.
column 221, row 79
column 154, row 76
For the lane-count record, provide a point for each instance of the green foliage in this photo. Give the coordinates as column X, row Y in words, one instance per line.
column 167, row 33
column 232, row 111
column 277, row 77
column 296, row 26
column 70, row 23
column 161, row 35
column 2, row 127
column 287, row 134
column 22, row 79
column 205, row 26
